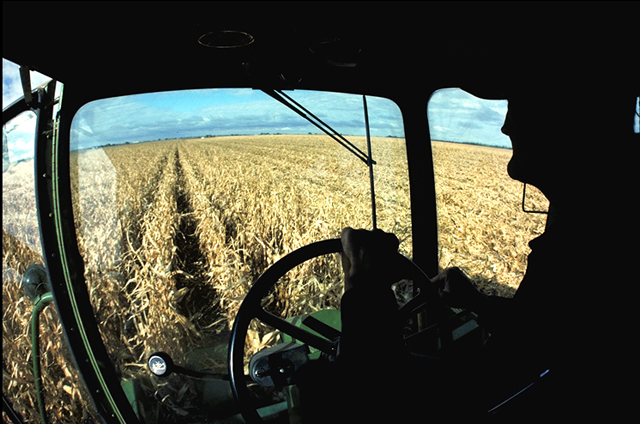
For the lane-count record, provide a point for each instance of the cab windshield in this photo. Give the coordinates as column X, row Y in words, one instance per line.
column 182, row 199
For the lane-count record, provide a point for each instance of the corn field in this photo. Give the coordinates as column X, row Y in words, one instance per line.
column 173, row 234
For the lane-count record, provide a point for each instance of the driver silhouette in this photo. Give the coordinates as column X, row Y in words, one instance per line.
column 565, row 321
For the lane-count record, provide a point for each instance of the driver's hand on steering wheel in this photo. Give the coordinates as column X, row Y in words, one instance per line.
column 369, row 258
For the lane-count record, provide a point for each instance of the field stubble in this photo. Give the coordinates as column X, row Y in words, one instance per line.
column 173, row 233
column 67, row 400
column 482, row 228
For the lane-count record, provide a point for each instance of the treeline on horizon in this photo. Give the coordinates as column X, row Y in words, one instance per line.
column 471, row 143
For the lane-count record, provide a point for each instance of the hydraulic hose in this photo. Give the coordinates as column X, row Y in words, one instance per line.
column 39, row 304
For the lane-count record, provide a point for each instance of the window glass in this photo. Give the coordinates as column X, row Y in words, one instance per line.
column 11, row 84
column 481, row 226
column 22, row 274
column 636, row 117
column 183, row 199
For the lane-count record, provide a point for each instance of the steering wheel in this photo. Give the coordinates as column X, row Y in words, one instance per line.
column 251, row 308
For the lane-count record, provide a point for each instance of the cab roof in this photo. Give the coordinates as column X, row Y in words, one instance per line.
column 379, row 48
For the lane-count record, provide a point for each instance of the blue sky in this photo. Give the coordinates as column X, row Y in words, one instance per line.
column 19, row 131
column 197, row 113
column 11, row 85
column 453, row 114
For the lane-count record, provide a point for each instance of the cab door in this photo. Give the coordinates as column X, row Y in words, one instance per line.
column 42, row 341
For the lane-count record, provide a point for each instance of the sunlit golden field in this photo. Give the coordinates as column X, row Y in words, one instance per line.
column 195, row 223
column 65, row 396
column 174, row 232
column 482, row 228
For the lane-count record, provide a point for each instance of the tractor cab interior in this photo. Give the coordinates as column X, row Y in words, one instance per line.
column 175, row 189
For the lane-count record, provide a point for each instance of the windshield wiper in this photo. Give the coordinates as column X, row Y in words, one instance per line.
column 319, row 123
column 324, row 127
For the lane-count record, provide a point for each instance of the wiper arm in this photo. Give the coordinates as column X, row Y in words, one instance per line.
column 324, row 127
column 319, row 123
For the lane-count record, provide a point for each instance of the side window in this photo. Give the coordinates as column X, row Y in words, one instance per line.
column 636, row 118
column 24, row 284
column 482, row 228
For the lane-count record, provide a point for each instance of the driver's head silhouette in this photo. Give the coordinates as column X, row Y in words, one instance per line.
column 565, row 141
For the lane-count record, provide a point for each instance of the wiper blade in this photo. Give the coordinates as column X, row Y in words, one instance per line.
column 319, row 123
column 324, row 127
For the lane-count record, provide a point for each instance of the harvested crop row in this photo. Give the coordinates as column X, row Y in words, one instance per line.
column 257, row 198
column 266, row 202
column 173, row 234
column 137, row 300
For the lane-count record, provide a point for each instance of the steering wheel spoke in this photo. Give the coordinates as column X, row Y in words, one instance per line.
column 297, row 333
column 251, row 309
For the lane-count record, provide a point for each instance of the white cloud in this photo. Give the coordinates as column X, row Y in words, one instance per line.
column 470, row 104
column 20, row 133
column 11, row 84
column 217, row 112
column 11, row 87
column 455, row 115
